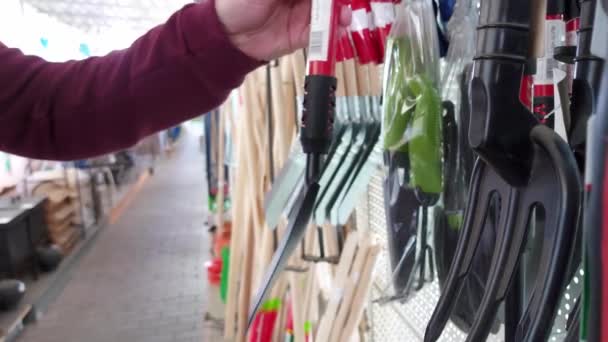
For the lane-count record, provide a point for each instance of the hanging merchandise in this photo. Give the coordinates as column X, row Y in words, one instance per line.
column 567, row 52
column 530, row 169
column 444, row 10
column 458, row 164
column 411, row 140
column 364, row 34
column 555, row 36
column 316, row 134
column 593, row 100
column 586, row 84
column 384, row 16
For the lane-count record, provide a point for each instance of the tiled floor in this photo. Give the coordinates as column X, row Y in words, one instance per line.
column 144, row 278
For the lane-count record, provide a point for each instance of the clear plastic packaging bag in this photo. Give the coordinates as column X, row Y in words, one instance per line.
column 412, row 106
column 411, row 135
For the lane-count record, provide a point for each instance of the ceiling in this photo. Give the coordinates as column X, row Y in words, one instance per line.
column 97, row 16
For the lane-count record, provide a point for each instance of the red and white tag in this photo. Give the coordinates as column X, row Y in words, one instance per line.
column 384, row 13
column 320, row 26
column 572, row 27
column 384, row 16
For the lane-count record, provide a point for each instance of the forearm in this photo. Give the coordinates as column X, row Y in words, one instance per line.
column 77, row 109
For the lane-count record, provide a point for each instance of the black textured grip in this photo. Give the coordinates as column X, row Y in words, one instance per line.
column 319, row 112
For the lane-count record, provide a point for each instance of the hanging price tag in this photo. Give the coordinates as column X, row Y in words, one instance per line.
column 320, row 25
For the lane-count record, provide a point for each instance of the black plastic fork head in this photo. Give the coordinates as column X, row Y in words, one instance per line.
column 552, row 195
column 527, row 167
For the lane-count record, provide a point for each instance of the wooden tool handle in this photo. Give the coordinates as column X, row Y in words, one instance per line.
column 311, row 240
column 375, row 78
column 346, row 259
column 363, row 81
column 364, row 284
column 537, row 29
column 347, row 297
column 330, row 241
column 340, row 91
column 350, row 78
column 299, row 70
column 349, row 286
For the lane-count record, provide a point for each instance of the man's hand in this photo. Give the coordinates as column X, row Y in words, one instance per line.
column 267, row 29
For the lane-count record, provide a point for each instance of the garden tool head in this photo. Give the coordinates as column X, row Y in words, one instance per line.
column 449, row 221
column 401, row 208
column 295, row 231
column 530, row 170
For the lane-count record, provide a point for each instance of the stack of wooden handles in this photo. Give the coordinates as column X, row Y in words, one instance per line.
column 252, row 244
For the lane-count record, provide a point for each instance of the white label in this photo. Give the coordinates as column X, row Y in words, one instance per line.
column 555, row 35
column 560, row 121
column 384, row 13
column 591, row 146
column 360, row 20
column 320, row 25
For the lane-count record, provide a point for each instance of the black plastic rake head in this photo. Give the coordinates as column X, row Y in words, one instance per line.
column 531, row 171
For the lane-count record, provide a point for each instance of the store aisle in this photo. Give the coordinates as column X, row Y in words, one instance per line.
column 143, row 279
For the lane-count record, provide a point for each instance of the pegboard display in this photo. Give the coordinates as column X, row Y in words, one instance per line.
column 407, row 321
column 397, row 321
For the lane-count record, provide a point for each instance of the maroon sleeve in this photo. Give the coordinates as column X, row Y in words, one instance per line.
column 74, row 110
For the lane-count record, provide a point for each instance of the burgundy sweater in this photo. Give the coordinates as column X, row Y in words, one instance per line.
column 78, row 109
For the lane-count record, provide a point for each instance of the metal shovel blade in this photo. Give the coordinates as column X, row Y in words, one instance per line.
column 282, row 188
column 290, row 241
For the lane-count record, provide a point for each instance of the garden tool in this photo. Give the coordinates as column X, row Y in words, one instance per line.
column 457, row 165
column 350, row 170
column 412, row 142
column 595, row 302
column 315, row 134
column 339, row 211
column 585, row 87
column 527, row 167
column 342, row 164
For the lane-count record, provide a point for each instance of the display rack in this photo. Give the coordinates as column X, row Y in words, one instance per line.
column 396, row 321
